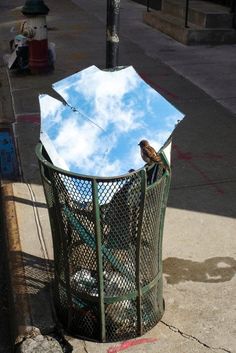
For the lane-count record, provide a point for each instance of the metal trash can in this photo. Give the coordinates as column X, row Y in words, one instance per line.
column 107, row 238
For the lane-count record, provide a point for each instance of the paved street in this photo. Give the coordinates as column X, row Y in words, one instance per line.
column 199, row 251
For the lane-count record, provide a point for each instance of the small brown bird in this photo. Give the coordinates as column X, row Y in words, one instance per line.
column 149, row 154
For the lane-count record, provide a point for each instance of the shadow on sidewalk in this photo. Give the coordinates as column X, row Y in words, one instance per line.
column 34, row 297
column 203, row 163
column 203, row 175
column 213, row 270
column 33, row 286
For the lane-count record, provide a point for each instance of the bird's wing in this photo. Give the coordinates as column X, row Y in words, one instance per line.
column 152, row 154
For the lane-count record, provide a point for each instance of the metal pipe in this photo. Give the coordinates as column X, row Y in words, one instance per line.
column 112, row 31
column 232, row 7
column 186, row 14
column 233, row 11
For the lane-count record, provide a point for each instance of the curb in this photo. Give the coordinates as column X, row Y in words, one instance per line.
column 21, row 323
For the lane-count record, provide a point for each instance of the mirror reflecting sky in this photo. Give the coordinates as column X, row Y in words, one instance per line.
column 106, row 116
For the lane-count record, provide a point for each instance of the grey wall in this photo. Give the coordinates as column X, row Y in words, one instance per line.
column 154, row 4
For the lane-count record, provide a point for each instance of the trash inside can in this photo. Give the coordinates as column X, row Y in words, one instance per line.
column 107, row 238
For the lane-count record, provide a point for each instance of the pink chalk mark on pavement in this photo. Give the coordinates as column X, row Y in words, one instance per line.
column 187, row 157
column 28, row 118
column 131, row 343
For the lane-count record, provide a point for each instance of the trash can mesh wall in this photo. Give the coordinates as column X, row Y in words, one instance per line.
column 107, row 238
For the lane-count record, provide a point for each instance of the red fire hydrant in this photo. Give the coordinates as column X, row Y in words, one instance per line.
column 35, row 30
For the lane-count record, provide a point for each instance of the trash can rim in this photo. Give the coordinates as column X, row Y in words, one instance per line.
column 38, row 151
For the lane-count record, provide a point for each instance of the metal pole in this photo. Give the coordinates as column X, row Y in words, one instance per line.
column 186, row 14
column 112, row 38
column 232, row 6
column 148, row 5
column 139, row 299
column 233, row 11
column 99, row 261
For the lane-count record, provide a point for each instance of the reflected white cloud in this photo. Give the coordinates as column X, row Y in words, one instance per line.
column 123, row 110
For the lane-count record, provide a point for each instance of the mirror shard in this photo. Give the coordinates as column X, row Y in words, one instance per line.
column 107, row 114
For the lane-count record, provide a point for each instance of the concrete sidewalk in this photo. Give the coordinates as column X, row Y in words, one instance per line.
column 199, row 251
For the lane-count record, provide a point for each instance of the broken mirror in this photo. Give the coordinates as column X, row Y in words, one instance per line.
column 106, row 115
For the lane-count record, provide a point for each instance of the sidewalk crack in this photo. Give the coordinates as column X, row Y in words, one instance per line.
column 85, row 347
column 190, row 337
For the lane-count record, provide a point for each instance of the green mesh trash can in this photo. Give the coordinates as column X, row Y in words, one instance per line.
column 107, row 239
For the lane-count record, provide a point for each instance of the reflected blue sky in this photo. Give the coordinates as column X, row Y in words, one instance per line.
column 108, row 113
